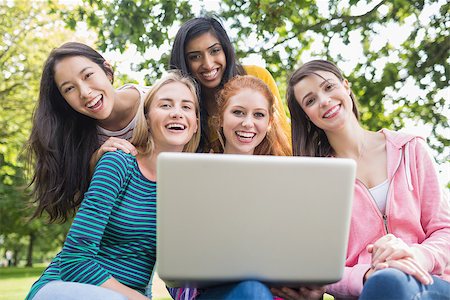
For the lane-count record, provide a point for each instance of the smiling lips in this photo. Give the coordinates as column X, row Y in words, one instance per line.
column 331, row 112
column 244, row 136
column 176, row 127
column 95, row 103
column 211, row 75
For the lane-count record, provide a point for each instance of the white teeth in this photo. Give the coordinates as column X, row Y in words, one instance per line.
column 332, row 111
column 210, row 74
column 94, row 101
column 175, row 126
column 245, row 134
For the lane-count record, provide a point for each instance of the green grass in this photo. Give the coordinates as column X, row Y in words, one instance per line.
column 8, row 273
column 16, row 282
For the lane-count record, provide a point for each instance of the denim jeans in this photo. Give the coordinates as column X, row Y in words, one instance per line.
column 243, row 290
column 64, row 290
column 394, row 284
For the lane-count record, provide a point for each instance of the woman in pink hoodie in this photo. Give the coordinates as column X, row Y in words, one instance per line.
column 399, row 243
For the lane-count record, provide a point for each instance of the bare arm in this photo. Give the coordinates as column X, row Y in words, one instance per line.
column 115, row 285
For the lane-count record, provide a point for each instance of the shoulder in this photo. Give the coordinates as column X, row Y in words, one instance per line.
column 127, row 97
column 257, row 71
column 399, row 139
column 142, row 89
column 132, row 91
column 118, row 160
column 267, row 78
column 264, row 75
column 414, row 147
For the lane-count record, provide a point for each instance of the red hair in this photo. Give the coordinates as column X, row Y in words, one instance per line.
column 275, row 142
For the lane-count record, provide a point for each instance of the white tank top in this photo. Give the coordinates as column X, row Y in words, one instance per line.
column 127, row 132
column 379, row 193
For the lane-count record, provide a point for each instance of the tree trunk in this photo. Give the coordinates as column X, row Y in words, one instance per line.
column 15, row 257
column 30, row 250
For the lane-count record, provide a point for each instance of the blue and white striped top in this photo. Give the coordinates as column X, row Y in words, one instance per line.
column 114, row 231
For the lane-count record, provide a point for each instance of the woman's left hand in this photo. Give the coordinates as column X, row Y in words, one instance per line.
column 392, row 252
column 302, row 293
column 409, row 266
column 387, row 248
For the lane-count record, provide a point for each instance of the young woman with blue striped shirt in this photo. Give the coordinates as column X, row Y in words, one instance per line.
column 110, row 249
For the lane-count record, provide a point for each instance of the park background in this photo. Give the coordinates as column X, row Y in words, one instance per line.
column 395, row 54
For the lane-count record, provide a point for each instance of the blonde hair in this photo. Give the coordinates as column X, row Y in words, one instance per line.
column 142, row 138
column 275, row 142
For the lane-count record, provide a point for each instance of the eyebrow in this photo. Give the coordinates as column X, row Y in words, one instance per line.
column 324, row 81
column 244, row 108
column 81, row 72
column 213, row 45
column 171, row 100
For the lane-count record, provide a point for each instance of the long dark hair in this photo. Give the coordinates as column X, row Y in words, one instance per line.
column 190, row 30
column 307, row 138
column 62, row 141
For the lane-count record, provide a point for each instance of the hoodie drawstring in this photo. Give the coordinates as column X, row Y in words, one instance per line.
column 408, row 168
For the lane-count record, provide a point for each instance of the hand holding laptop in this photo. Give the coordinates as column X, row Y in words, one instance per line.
column 310, row 293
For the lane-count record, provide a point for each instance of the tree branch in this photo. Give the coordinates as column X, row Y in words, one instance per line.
column 10, row 88
column 23, row 32
column 325, row 21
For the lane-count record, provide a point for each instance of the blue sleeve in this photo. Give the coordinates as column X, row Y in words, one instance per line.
column 78, row 257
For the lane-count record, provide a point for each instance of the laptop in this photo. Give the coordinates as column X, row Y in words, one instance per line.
column 227, row 218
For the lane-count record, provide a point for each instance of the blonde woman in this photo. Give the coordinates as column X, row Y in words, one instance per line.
column 110, row 250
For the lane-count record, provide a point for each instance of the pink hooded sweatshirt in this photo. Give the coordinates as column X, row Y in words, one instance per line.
column 416, row 211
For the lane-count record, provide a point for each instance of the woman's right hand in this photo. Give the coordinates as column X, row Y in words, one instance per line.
column 301, row 293
column 389, row 247
column 111, row 144
column 114, row 144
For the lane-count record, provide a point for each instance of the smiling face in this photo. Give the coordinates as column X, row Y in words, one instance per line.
column 245, row 121
column 206, row 60
column 85, row 86
column 172, row 117
column 325, row 100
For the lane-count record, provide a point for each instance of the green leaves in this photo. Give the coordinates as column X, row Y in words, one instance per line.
column 28, row 33
column 282, row 32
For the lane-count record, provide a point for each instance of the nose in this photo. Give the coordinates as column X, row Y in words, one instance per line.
column 248, row 122
column 324, row 100
column 175, row 113
column 207, row 62
column 85, row 91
